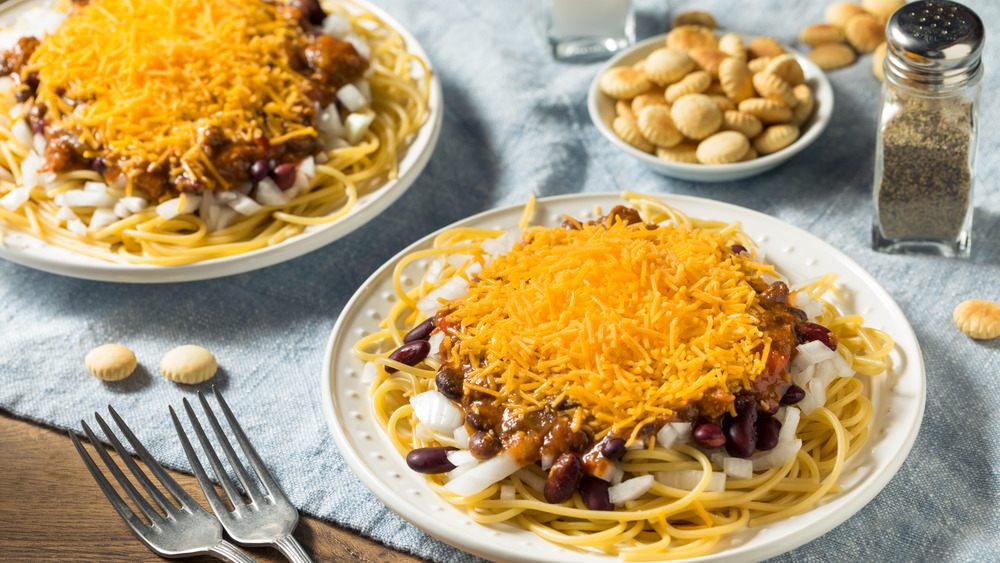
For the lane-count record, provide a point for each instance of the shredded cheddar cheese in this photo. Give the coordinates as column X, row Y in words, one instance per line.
column 141, row 78
column 626, row 323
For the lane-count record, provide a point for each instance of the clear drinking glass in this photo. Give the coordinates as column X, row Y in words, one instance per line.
column 587, row 29
column 928, row 129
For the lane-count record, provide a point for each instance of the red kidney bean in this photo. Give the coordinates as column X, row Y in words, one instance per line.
column 709, row 435
column 777, row 292
column 311, row 10
column 741, row 434
column 259, row 170
column 738, row 249
column 578, row 441
column 420, row 332
column 477, row 421
column 613, row 448
column 410, row 354
column 483, row 445
column 793, row 395
column 808, row 332
column 767, row 433
column 284, row 175
column 450, row 382
column 430, row 460
column 99, row 165
column 798, row 313
column 595, row 493
column 563, row 478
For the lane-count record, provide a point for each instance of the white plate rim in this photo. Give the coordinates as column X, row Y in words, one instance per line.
column 504, row 543
column 817, row 123
column 28, row 251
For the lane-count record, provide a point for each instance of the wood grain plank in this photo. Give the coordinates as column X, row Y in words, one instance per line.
column 52, row 510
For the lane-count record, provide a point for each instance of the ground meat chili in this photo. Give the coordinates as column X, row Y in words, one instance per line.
column 326, row 63
column 547, row 434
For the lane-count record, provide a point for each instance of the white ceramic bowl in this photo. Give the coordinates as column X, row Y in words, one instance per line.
column 602, row 112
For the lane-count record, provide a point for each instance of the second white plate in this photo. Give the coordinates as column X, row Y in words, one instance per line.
column 898, row 397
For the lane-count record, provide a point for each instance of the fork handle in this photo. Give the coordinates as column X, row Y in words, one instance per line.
column 229, row 552
column 291, row 549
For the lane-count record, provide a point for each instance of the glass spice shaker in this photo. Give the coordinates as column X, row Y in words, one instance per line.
column 927, row 134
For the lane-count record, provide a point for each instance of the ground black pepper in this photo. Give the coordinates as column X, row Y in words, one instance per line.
column 926, row 178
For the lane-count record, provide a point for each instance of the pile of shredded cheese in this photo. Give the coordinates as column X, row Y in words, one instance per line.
column 625, row 322
column 139, row 78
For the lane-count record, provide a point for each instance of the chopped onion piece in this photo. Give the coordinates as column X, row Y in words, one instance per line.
column 96, row 187
column 531, row 479
column 336, row 25
column 630, row 489
column 66, row 214
column 609, row 471
column 435, row 341
column 22, row 133
column 666, row 437
column 174, row 207
column 77, row 226
column 461, row 436
column 80, row 198
column 423, row 432
column 329, row 123
column 458, row 471
column 225, row 216
column 102, row 217
column 455, row 288
column 356, row 126
column 809, row 403
column 29, row 170
column 368, row 373
column 483, row 475
column 737, row 468
column 38, row 143
column 502, row 244
column 352, row 98
column 459, row 458
column 16, row 198
column 688, row 479
column 434, row 271
column 134, row 204
column 121, row 211
column 359, row 45
column 243, row 204
column 780, row 455
column 364, row 87
column 438, row 412
column 547, row 460
column 683, row 430
column 507, row 492
column 810, row 353
column 268, row 193
column 307, row 167
column 789, row 425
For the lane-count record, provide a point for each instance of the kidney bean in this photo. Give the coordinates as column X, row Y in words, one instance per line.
column 420, row 332
column 709, row 435
column 613, row 448
column 738, row 249
column 450, row 382
column 793, row 394
column 99, row 165
column 564, row 476
column 429, row 460
column 777, row 292
column 808, row 332
column 798, row 313
column 410, row 354
column 477, row 421
column 259, row 170
column 595, row 493
column 284, row 175
column 767, row 433
column 578, row 441
column 741, row 434
column 483, row 445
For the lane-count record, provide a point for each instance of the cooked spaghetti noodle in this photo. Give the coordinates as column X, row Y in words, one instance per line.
column 264, row 104
column 688, row 504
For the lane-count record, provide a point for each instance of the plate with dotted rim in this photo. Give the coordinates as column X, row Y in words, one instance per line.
column 29, row 251
column 898, row 397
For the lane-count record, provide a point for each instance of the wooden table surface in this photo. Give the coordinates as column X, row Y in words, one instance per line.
column 52, row 510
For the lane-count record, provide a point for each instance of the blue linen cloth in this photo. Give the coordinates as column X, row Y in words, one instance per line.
column 516, row 123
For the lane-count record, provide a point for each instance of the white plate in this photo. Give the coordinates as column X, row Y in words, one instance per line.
column 29, row 251
column 602, row 112
column 898, row 398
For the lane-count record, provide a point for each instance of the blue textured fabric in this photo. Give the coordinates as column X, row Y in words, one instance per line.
column 516, row 123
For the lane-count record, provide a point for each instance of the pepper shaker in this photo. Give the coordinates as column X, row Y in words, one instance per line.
column 927, row 133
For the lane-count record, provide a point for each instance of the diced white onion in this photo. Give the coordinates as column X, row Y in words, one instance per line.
column 95, row 187
column 460, row 457
column 80, row 198
column 547, row 460
column 15, row 198
column 810, row 353
column 688, row 479
column 36, row 22
column 738, row 468
column 507, row 492
column 435, row 341
column 666, row 437
column 268, row 193
column 531, row 479
column 225, row 216
column 30, row 177
column 502, row 244
column 789, row 425
column 780, row 455
column 636, row 445
column 102, row 217
column 356, row 125
column 22, row 133
column 336, row 25
column 329, row 123
column 307, row 167
column 438, row 412
column 483, row 475
column 359, row 45
column 809, row 403
column 683, row 430
column 434, row 271
column 609, row 471
column 458, row 471
column 423, row 432
column 461, row 436
column 455, row 288
column 38, row 142
column 352, row 98
column 66, row 214
column 77, row 226
column 243, row 204
column 121, row 210
column 364, row 87
column 630, row 489
column 335, row 143
column 174, row 207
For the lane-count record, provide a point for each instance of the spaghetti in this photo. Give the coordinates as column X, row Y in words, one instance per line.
column 174, row 131
column 639, row 385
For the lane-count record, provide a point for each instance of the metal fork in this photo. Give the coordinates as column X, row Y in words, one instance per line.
column 268, row 519
column 185, row 531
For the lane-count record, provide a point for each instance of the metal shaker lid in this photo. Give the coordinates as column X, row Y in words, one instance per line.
column 934, row 43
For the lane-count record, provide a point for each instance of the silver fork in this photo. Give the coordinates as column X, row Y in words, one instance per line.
column 185, row 531
column 268, row 519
